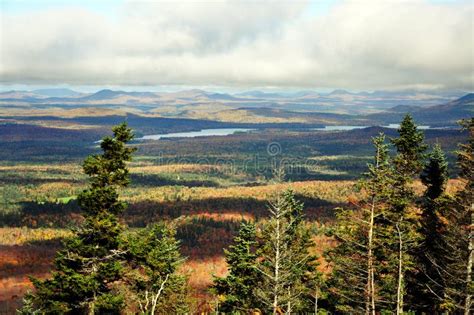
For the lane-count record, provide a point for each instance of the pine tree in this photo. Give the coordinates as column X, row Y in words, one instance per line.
column 153, row 259
column 286, row 265
column 353, row 282
column 237, row 287
column 427, row 286
column 89, row 265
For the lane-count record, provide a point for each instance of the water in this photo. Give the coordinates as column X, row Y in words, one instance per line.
column 396, row 126
column 347, row 127
column 340, row 128
column 200, row 133
column 230, row 131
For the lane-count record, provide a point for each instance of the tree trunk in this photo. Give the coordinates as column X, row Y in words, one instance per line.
column 400, row 273
column 468, row 301
column 370, row 307
column 157, row 295
column 370, row 295
column 92, row 306
column 288, row 304
column 316, row 296
column 277, row 268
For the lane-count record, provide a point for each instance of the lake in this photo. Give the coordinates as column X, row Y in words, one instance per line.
column 200, row 133
column 347, row 127
column 339, row 128
column 230, row 131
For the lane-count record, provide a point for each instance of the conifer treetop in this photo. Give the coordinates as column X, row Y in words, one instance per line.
column 410, row 147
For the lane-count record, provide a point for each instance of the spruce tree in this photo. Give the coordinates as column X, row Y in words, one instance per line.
column 307, row 280
column 428, row 286
column 285, row 265
column 237, row 287
column 465, row 201
column 456, row 264
column 89, row 265
column 410, row 146
column 153, row 259
column 435, row 174
column 400, row 231
column 355, row 279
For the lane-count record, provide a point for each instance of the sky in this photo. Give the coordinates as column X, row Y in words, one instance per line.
column 319, row 44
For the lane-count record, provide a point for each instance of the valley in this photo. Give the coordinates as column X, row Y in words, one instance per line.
column 236, row 157
column 207, row 170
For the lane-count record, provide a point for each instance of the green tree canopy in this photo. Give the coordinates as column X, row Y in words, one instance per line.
column 285, row 264
column 435, row 173
column 89, row 265
column 153, row 259
column 237, row 287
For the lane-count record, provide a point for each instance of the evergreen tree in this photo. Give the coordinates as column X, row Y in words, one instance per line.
column 237, row 287
column 435, row 174
column 410, row 149
column 401, row 239
column 400, row 232
column 153, row 259
column 307, row 280
column 354, row 283
column 88, row 267
column 428, row 283
column 318, row 294
column 466, row 214
column 456, row 266
column 286, row 266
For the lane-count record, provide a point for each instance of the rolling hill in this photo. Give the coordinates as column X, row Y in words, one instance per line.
column 443, row 114
column 337, row 107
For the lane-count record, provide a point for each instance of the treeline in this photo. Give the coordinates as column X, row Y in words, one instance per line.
column 395, row 252
column 104, row 269
column 399, row 253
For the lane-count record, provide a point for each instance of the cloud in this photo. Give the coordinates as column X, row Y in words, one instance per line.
column 355, row 44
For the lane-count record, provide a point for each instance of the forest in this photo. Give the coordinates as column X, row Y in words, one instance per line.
column 399, row 239
column 236, row 157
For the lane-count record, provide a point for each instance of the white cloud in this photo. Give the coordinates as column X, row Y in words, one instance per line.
column 356, row 44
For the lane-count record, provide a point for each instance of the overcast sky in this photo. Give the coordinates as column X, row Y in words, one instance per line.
column 358, row 45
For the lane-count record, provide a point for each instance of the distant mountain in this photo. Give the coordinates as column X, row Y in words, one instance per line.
column 19, row 95
column 305, row 94
column 260, row 94
column 110, row 94
column 444, row 114
column 221, row 96
column 412, row 93
column 57, row 92
column 463, row 104
column 404, row 109
column 276, row 106
column 11, row 92
column 102, row 95
column 467, row 98
column 187, row 94
column 141, row 94
column 340, row 92
column 279, row 95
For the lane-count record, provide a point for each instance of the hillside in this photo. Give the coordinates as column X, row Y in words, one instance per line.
column 443, row 114
column 196, row 103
